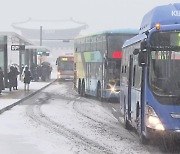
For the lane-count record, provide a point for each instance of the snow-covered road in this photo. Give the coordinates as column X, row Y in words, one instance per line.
column 58, row 121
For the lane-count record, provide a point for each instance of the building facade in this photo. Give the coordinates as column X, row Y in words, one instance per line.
column 58, row 35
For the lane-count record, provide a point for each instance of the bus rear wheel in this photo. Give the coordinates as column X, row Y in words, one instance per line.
column 83, row 89
column 79, row 86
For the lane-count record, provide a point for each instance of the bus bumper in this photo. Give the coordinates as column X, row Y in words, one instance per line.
column 152, row 133
column 66, row 77
column 109, row 94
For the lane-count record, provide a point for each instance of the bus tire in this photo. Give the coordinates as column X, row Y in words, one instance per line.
column 83, row 89
column 79, row 86
column 143, row 140
column 126, row 122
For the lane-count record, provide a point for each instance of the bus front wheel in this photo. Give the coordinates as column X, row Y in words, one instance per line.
column 126, row 122
column 142, row 138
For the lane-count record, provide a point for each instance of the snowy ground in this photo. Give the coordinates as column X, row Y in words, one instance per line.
column 7, row 98
column 58, row 121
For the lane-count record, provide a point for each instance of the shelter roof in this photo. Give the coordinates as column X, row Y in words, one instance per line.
column 16, row 37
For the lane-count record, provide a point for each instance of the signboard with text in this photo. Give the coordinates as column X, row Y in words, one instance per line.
column 17, row 47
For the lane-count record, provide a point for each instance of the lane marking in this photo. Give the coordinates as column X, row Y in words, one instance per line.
column 114, row 109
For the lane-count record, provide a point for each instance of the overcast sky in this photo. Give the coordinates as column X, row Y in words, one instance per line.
column 98, row 14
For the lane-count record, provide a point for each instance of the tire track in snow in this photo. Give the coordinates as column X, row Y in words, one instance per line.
column 35, row 113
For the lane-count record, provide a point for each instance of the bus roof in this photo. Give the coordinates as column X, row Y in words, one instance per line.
column 164, row 15
column 115, row 31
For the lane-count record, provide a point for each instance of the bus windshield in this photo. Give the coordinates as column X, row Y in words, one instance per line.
column 114, row 71
column 66, row 65
column 164, row 73
column 115, row 43
column 164, row 65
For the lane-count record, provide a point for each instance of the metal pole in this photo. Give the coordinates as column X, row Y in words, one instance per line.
column 40, row 35
column 40, row 56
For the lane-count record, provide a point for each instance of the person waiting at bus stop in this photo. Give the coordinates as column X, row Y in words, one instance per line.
column 12, row 78
column 16, row 73
column 27, row 78
column 1, row 80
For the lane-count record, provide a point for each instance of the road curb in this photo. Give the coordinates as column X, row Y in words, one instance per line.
column 25, row 98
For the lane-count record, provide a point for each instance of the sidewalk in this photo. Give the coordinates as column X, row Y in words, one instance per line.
column 9, row 99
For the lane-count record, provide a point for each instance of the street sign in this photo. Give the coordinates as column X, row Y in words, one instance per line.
column 17, row 47
column 43, row 53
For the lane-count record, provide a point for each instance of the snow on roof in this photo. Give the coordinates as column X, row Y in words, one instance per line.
column 15, row 36
column 49, row 24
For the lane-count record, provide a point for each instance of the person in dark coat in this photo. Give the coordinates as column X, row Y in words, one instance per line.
column 11, row 78
column 16, row 73
column 44, row 73
column 27, row 78
column 1, row 80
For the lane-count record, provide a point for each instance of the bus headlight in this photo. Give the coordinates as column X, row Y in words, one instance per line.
column 152, row 120
column 59, row 74
column 113, row 89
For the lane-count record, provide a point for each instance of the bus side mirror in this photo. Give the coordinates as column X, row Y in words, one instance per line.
column 142, row 58
column 143, row 45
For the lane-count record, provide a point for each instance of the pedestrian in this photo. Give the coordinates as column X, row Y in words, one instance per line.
column 44, row 73
column 49, row 70
column 1, row 80
column 33, row 71
column 16, row 73
column 27, row 78
column 11, row 78
column 39, row 72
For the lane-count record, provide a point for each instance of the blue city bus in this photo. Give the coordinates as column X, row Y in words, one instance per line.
column 97, row 60
column 150, row 75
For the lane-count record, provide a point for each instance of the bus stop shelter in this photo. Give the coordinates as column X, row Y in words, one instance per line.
column 16, row 50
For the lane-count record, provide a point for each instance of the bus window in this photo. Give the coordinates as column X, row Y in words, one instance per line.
column 115, row 43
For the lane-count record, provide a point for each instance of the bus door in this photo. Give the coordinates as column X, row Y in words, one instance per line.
column 130, row 87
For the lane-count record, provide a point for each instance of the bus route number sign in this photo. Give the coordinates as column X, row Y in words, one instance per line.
column 17, row 47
